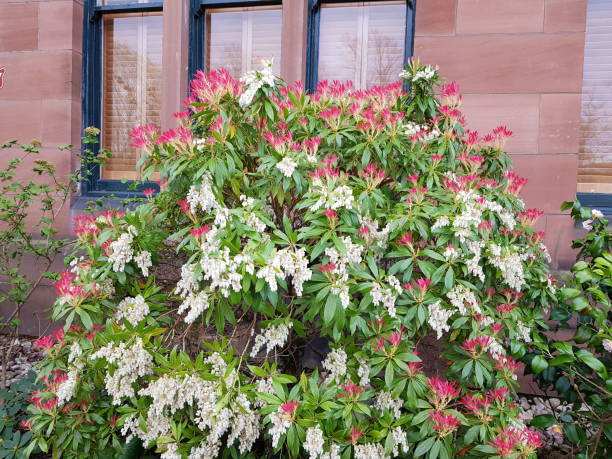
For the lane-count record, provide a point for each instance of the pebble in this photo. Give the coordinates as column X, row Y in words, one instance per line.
column 23, row 357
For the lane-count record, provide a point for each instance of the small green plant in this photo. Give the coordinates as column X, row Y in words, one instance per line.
column 579, row 370
column 14, row 425
column 32, row 241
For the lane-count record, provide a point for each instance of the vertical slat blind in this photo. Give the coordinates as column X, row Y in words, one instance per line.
column 238, row 38
column 595, row 159
column 362, row 42
column 131, row 86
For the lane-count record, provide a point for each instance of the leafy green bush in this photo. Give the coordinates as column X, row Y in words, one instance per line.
column 363, row 220
column 14, row 425
column 579, row 369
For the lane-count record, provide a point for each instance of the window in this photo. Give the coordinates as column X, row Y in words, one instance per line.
column 595, row 158
column 236, row 37
column 122, row 83
column 366, row 42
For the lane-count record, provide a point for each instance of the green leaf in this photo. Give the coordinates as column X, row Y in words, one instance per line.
column 593, row 362
column 561, row 359
column 539, row 364
column 543, row 421
column 424, row 446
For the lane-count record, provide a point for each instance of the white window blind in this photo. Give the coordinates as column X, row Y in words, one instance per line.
column 362, row 41
column 131, row 92
column 238, row 38
column 595, row 158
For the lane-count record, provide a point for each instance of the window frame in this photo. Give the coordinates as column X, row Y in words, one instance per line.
column 94, row 185
column 197, row 30
column 314, row 32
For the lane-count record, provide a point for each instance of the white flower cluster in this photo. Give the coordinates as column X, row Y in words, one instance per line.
column 271, row 337
column 335, row 363
column 462, row 298
column 373, row 234
column 236, row 419
column 250, row 219
column 507, row 219
column 524, row 333
column 473, row 264
column 363, row 372
column 496, row 349
column 280, row 423
column 202, row 197
column 287, row 263
column 440, row 222
column 121, row 251
column 438, row 318
column 75, row 352
column 370, row 451
column 450, row 253
column 66, row 389
column 424, row 131
column 286, row 166
column 131, row 363
column 314, row 442
column 333, row 453
column 386, row 295
column 332, row 196
column 607, row 344
column 426, row 74
column 255, row 79
column 196, row 304
column 386, row 401
column 510, row 266
column 352, row 255
column 400, row 443
column 132, row 309
column 143, row 261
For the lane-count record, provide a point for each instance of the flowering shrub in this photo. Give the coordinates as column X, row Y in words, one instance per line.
column 579, row 369
column 368, row 220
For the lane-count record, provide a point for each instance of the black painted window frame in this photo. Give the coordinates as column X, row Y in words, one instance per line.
column 93, row 16
column 197, row 26
column 312, row 44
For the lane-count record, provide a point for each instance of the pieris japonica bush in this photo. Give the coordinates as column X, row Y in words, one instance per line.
column 368, row 220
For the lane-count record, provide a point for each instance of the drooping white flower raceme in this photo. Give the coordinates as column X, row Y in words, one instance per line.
column 195, row 304
column 510, row 265
column 314, row 442
column 464, row 299
column 271, row 337
column 370, row 451
column 121, row 251
column 607, row 344
column 386, row 401
column 133, row 310
column 286, row 263
column 335, row 364
column 255, row 79
column 363, row 372
column 287, row 165
column 386, row 296
column 524, row 333
column 143, row 261
column 400, row 442
column 67, row 387
column 131, row 363
column 332, row 196
column 438, row 318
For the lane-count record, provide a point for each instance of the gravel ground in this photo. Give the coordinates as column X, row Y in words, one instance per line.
column 24, row 354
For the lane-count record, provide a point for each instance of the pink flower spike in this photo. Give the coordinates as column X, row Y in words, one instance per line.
column 405, row 240
column 46, row 342
column 290, row 407
column 355, row 435
column 197, row 232
column 329, row 267
column 395, row 338
column 184, row 205
column 149, row 192
column 330, row 214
